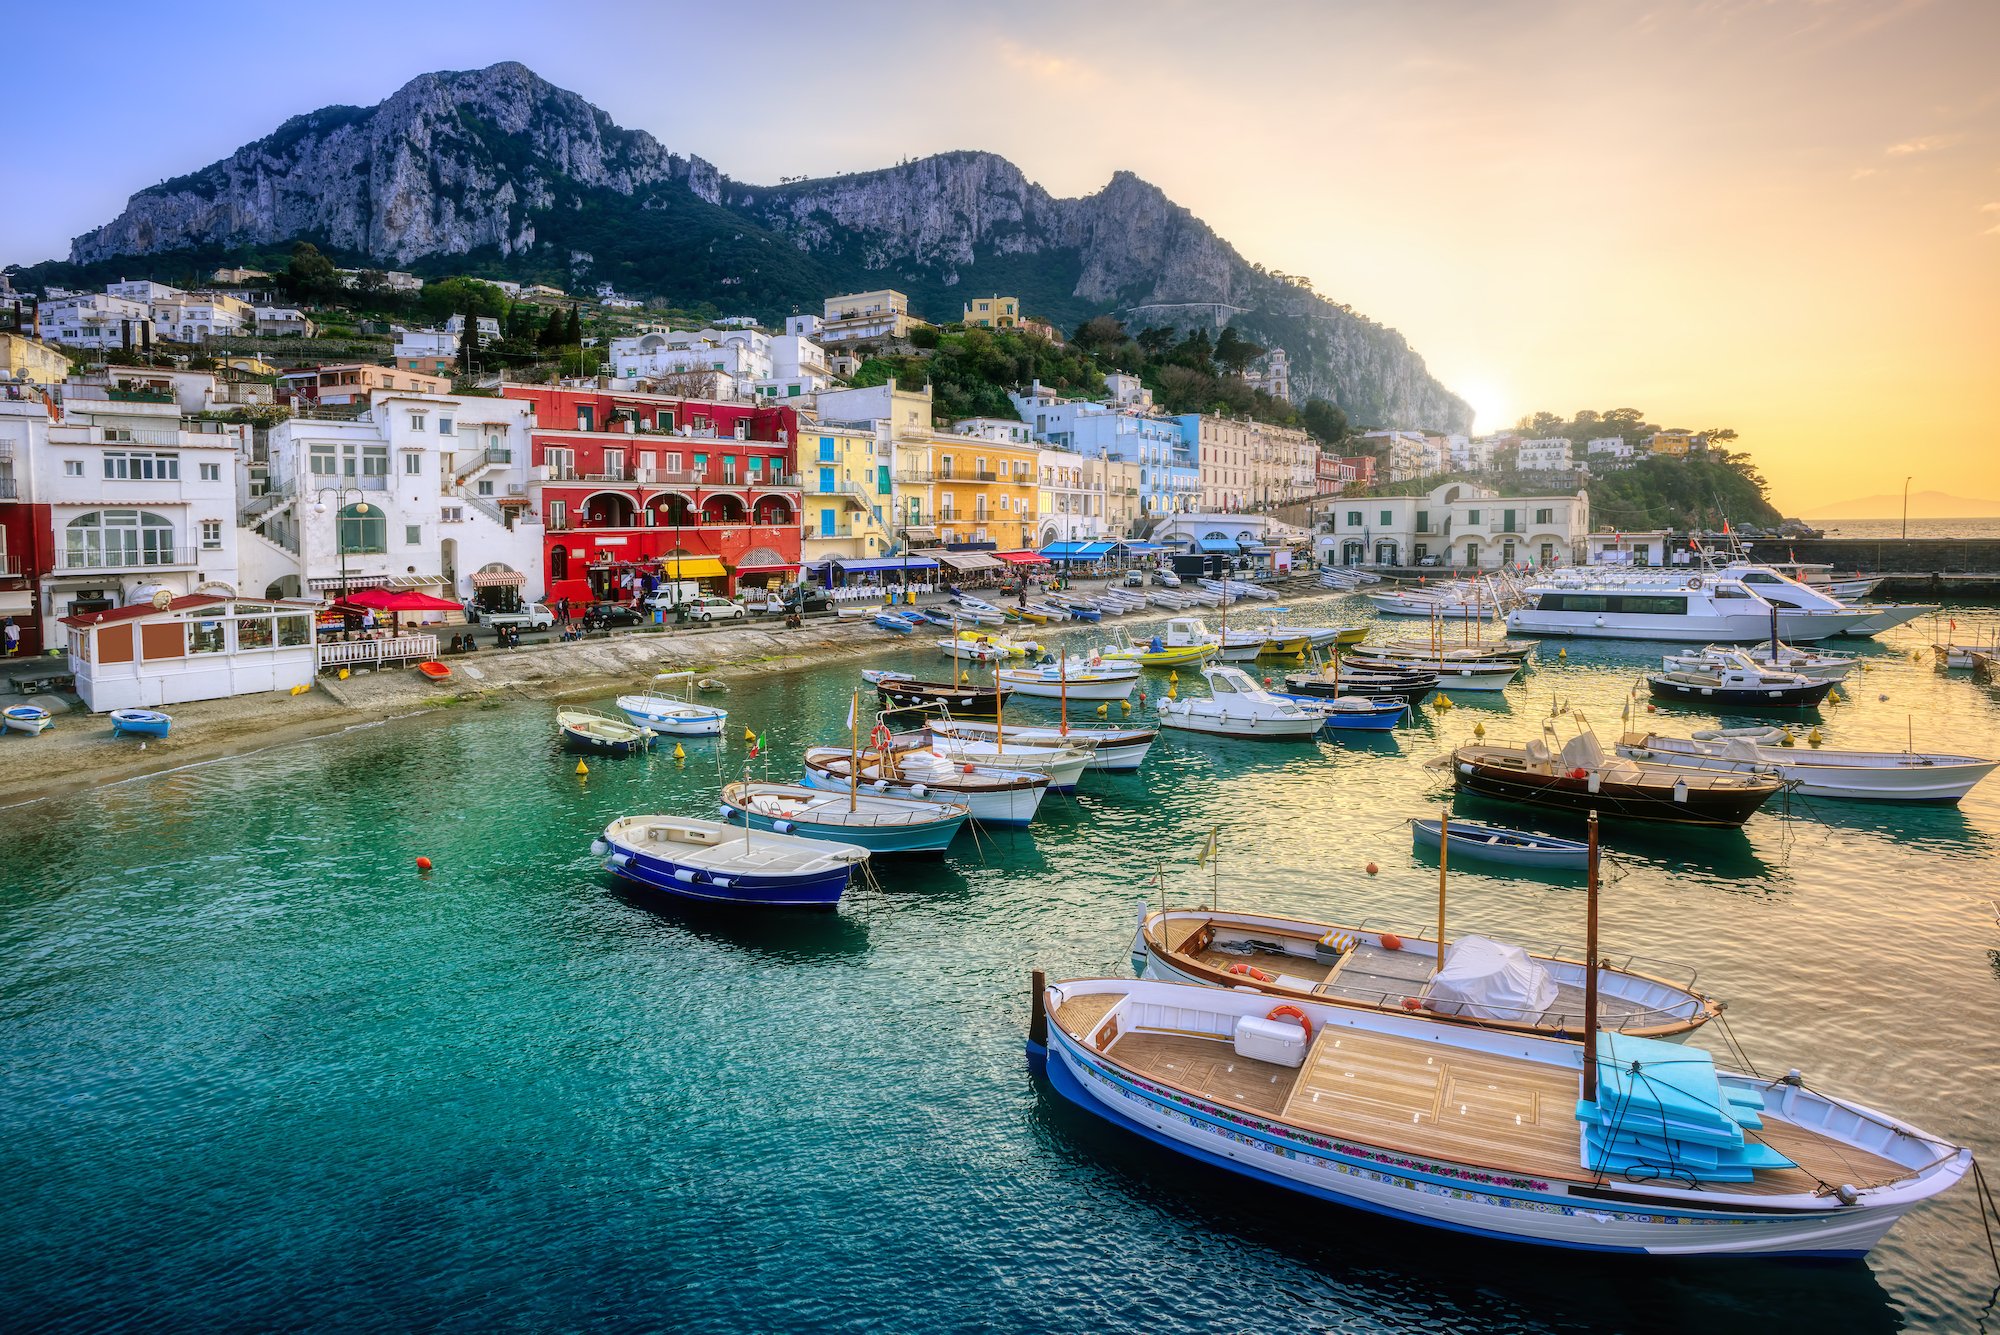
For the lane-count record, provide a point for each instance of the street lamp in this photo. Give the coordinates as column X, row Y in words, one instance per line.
column 1906, row 507
column 340, row 538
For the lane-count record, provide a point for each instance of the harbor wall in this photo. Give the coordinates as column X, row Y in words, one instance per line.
column 1913, row 568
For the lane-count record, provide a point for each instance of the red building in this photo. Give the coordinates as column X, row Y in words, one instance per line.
column 685, row 488
column 27, row 534
column 1364, row 468
column 1333, row 475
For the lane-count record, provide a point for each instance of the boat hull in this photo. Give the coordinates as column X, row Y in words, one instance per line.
column 1035, row 687
column 1925, row 783
column 1740, row 697
column 1727, row 809
column 27, row 719
column 819, row 890
column 1240, row 729
column 1436, row 1193
column 583, row 743
column 1008, row 806
column 933, row 837
column 977, row 702
column 139, row 723
column 1553, row 855
column 685, row 721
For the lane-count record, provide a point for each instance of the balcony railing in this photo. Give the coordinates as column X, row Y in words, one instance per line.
column 135, row 560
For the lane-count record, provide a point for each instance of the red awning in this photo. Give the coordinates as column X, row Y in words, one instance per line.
column 399, row 600
column 1022, row 558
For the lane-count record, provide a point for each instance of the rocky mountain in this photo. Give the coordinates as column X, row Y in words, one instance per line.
column 496, row 171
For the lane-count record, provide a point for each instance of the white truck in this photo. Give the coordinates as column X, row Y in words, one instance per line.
column 528, row 616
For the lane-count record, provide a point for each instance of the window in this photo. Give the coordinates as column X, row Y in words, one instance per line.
column 413, row 535
column 389, row 382
column 417, row 421
column 413, row 464
column 321, row 460
column 374, row 461
column 363, row 529
column 1545, row 516
column 1386, row 520
column 72, row 468
column 585, row 419
column 207, row 637
column 253, row 633
column 614, row 463
column 673, row 461
column 559, row 519
column 142, row 467
column 211, row 535
column 558, row 559
column 211, row 472
column 826, row 449
column 1472, row 516
column 119, row 538
column 445, row 426
column 1423, row 521
column 1354, row 519
column 664, row 419
column 1507, row 521
column 742, row 430
column 294, row 631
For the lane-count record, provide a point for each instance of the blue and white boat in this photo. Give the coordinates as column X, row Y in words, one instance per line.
column 29, row 719
column 139, row 723
column 1486, row 1133
column 1358, row 712
column 679, row 717
column 996, row 796
column 1494, row 843
column 601, row 735
column 716, row 863
column 891, row 622
column 877, row 822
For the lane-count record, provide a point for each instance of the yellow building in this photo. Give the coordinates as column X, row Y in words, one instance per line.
column 883, row 313
column 986, row 491
column 844, row 472
column 42, row 364
column 1668, row 442
column 993, row 312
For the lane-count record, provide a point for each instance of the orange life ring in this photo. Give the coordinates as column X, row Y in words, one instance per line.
column 1296, row 1014
column 879, row 739
column 1249, row 971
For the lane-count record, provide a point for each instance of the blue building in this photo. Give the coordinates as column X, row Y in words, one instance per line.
column 1169, row 478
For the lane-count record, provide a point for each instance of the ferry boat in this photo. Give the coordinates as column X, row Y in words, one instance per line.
column 1687, row 605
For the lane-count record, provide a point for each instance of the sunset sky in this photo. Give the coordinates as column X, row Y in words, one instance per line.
column 1777, row 215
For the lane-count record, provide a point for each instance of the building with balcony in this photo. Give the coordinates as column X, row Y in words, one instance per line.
column 1673, row 444
column 352, row 385
column 193, row 317
column 284, row 321
column 1115, row 485
column 906, row 415
column 1068, row 507
column 1610, row 452
column 653, row 483
column 860, row 317
column 432, row 351
column 95, row 320
column 1169, row 477
column 985, row 491
column 1331, row 475
column 849, row 490
column 1551, row 455
column 422, row 492
column 994, row 312
column 27, row 550
column 1460, row 525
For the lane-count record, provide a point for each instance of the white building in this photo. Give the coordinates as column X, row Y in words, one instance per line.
column 95, row 320
column 1069, row 498
column 1649, row 548
column 799, row 370
column 1127, row 390
column 1610, row 451
column 191, row 317
column 1001, row 430
column 139, row 501
column 1548, row 455
column 1271, row 373
column 1469, row 456
column 425, row 491
column 141, row 289
column 426, row 349
column 282, row 320
column 1411, row 454
column 787, row 366
column 489, row 327
column 617, row 303
column 168, row 650
column 1458, row 524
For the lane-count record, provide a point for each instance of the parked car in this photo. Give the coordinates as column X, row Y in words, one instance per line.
column 806, row 598
column 1135, row 579
column 761, row 600
column 712, row 609
column 1166, row 579
column 608, row 615
column 528, row 616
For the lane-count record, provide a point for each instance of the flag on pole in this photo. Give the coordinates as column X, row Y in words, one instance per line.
column 1725, row 525
column 1208, row 847
column 850, row 713
column 756, row 742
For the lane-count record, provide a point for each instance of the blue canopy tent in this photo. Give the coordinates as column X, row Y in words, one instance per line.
column 1079, row 552
column 882, row 565
column 1224, row 546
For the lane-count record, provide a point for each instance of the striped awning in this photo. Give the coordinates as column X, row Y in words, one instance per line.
column 967, row 560
column 355, row 580
column 498, row 579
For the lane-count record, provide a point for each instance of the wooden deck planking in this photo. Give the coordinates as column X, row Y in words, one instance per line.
column 1819, row 1160
column 1079, row 1015
column 1207, row 1066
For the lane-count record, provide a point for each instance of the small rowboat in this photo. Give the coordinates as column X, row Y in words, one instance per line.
column 435, row 671
column 139, row 723
column 1494, row 843
column 30, row 719
column 895, row 623
column 723, row 864
column 877, row 822
column 1353, row 712
column 600, row 734
column 909, row 693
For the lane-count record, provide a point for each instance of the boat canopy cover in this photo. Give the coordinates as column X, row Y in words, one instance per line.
column 1023, row 558
column 1486, row 980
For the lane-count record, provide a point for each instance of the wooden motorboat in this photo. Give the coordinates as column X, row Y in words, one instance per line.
column 877, row 822
column 1578, row 776
column 1496, row 843
column 1429, row 651
column 1063, row 765
column 996, row 796
column 1376, row 970
column 1733, row 679
column 28, row 719
column 434, row 670
column 724, row 864
column 1111, row 748
column 1184, row 640
column 1237, row 707
column 600, row 734
column 140, row 723
column 678, row 716
column 900, row 692
column 1497, row 1134
column 1867, row 776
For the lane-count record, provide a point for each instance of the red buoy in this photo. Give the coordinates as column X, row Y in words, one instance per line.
column 423, row 864
column 1372, row 869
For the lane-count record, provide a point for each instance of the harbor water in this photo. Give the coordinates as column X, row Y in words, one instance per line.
column 257, row 1071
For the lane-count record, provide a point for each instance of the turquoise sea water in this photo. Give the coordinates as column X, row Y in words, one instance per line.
column 256, row 1071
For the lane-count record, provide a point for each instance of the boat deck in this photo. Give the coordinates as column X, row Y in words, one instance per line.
column 730, row 850
column 1431, row 1099
column 1368, row 975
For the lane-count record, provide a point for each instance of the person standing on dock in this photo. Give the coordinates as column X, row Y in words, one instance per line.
column 13, row 634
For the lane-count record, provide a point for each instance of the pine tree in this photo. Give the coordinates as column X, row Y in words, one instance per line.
column 468, row 344
column 552, row 332
column 574, row 334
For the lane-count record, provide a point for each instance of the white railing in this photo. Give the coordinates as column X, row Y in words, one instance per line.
column 403, row 648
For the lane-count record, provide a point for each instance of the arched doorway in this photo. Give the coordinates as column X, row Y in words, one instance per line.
column 773, row 510
column 723, row 508
column 284, row 586
column 448, row 563
column 1385, row 552
column 608, row 509
column 671, row 510
column 1353, row 552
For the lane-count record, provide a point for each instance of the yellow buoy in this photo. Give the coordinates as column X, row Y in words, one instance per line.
column 1173, row 675
column 1814, row 737
column 1788, row 739
column 749, row 734
column 1125, row 706
column 1173, row 691
column 1443, row 703
column 679, row 753
column 343, row 674
column 1562, row 653
column 1479, row 730
column 1102, row 710
column 582, row 768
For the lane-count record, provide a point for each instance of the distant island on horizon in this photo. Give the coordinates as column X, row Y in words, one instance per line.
column 1923, row 505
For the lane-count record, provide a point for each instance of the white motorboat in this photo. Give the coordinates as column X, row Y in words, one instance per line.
column 1079, row 679
column 1621, row 603
column 1111, row 748
column 1866, row 776
column 1063, row 765
column 996, row 796
column 1786, row 658
column 1793, row 597
column 671, row 715
column 1237, row 706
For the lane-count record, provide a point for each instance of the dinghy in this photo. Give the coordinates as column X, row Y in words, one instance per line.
column 874, row 821
column 723, row 864
column 895, row 624
column 1499, row 1135
column 1077, row 679
column 1062, row 765
column 29, row 719
column 1786, row 658
column 1495, row 843
column 1354, row 713
column 676, row 716
column 139, row 723
column 600, row 734
column 434, row 670
column 900, row 692
column 1865, row 776
column 1503, row 988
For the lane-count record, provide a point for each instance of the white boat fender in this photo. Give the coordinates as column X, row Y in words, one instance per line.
column 598, row 848
column 621, row 860
column 720, row 882
column 782, row 826
column 683, row 874
column 724, row 810
column 880, row 785
column 918, row 790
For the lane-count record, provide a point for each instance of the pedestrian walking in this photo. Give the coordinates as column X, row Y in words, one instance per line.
column 13, row 633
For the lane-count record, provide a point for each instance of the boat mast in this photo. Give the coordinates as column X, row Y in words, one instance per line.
column 854, row 753
column 1062, row 689
column 1590, row 970
column 1444, row 857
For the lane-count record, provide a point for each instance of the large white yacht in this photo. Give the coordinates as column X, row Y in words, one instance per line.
column 1623, row 603
column 1772, row 584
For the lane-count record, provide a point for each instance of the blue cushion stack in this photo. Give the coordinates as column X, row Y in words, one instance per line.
column 1661, row 1111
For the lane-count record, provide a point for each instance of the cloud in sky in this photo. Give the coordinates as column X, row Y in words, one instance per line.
column 1929, row 143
